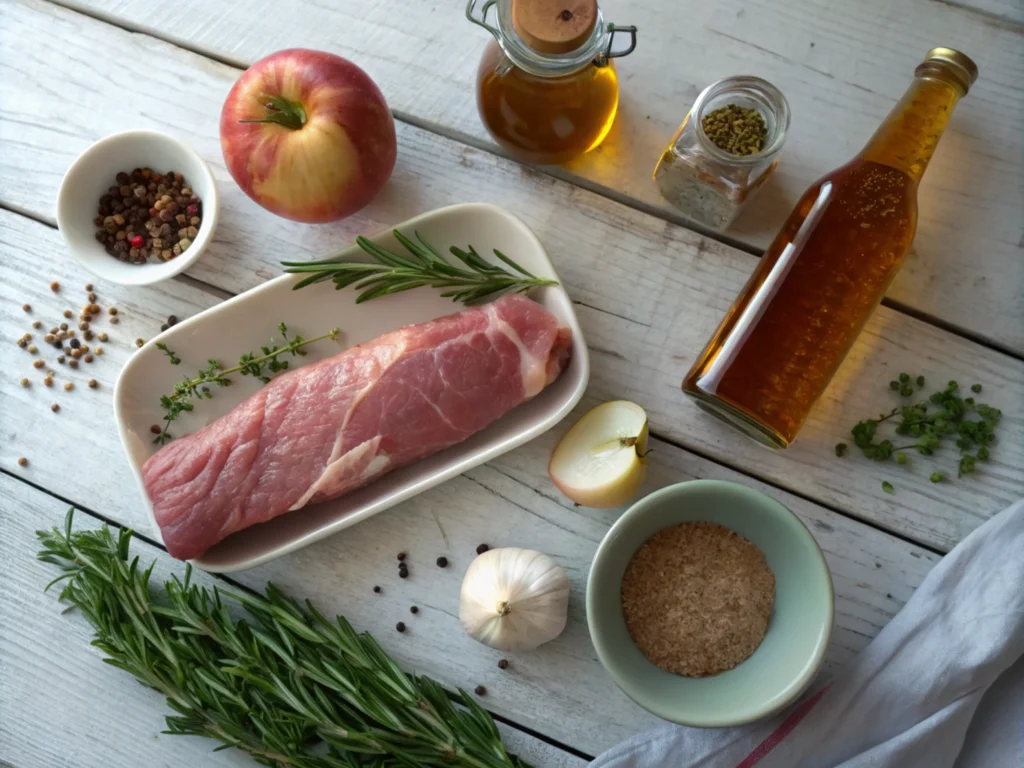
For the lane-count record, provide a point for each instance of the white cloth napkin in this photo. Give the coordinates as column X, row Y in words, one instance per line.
column 942, row 686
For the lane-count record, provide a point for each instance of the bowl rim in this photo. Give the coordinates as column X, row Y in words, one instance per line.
column 608, row 657
column 211, row 207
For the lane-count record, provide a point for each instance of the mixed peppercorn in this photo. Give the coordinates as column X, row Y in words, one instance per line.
column 148, row 214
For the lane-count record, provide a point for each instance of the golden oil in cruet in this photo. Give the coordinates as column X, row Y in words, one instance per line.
column 815, row 287
column 547, row 90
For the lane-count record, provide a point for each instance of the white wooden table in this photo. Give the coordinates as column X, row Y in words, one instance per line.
column 648, row 290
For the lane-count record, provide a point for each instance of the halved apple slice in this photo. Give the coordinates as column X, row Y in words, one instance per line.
column 600, row 461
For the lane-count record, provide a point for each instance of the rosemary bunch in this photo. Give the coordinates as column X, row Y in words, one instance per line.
column 471, row 281
column 259, row 366
column 285, row 685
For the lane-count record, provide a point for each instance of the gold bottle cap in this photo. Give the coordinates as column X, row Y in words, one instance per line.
column 554, row 26
column 960, row 61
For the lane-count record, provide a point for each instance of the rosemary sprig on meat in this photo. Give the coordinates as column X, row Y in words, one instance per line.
column 261, row 367
column 470, row 281
column 284, row 684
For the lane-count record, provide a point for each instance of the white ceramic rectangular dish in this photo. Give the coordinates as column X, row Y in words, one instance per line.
column 249, row 321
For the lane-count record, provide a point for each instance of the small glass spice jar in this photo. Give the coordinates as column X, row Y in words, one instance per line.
column 707, row 183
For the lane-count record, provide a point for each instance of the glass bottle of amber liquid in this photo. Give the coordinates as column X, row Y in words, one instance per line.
column 546, row 87
column 812, row 292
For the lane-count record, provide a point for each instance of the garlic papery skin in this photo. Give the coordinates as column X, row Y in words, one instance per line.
column 514, row 599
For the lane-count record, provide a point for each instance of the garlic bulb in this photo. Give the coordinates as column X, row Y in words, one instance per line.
column 514, row 599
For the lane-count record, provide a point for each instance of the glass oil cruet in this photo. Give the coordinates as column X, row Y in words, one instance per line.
column 546, row 88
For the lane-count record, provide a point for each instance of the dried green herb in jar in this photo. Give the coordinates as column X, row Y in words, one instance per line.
column 737, row 130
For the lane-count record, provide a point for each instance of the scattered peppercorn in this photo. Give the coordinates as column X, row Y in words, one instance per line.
column 27, row 307
column 55, row 408
column 68, row 313
column 69, row 386
column 73, row 363
column 22, row 343
column 400, row 626
column 414, row 609
column 401, row 556
column 88, row 287
column 98, row 351
column 403, row 573
column 75, row 343
column 139, row 342
column 172, row 320
column 442, row 562
column 102, row 336
column 25, row 382
column 93, row 383
column 114, row 321
column 94, row 309
column 163, row 327
column 155, row 429
column 61, row 359
column 841, row 449
column 37, row 324
column 503, row 664
column 22, row 462
column 32, row 349
column 54, row 286
column 112, row 311
column 480, row 691
column 376, row 589
column 63, row 326
column 481, row 548
column 48, row 381
column 92, row 298
column 38, row 363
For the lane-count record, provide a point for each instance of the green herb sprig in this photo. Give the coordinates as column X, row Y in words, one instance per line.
column 261, row 367
column 943, row 415
column 471, row 281
column 284, row 684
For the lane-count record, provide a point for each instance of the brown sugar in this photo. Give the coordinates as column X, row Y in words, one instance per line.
column 696, row 598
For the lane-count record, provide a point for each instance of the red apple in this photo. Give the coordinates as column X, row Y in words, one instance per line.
column 308, row 135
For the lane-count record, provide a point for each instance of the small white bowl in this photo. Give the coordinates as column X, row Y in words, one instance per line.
column 93, row 172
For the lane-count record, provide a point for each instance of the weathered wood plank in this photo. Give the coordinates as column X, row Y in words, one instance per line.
column 61, row 705
column 649, row 293
column 841, row 65
column 559, row 690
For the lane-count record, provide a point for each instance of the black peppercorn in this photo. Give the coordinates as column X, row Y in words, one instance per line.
column 503, row 664
column 414, row 609
column 400, row 626
column 481, row 549
column 377, row 590
column 75, row 343
column 442, row 562
column 480, row 691
column 401, row 556
column 172, row 320
column 403, row 574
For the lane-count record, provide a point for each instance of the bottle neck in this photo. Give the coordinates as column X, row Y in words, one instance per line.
column 907, row 138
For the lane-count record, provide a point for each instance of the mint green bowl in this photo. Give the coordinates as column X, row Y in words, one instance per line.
column 798, row 630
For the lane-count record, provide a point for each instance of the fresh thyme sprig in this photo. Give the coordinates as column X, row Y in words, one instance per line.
column 472, row 281
column 198, row 387
column 283, row 684
column 928, row 428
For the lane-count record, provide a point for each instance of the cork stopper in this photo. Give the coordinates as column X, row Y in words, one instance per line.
column 554, row 26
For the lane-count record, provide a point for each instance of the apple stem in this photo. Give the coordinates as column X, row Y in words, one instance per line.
column 290, row 114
